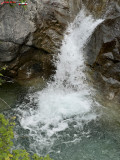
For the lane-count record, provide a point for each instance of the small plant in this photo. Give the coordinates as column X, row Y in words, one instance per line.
column 36, row 157
column 6, row 136
column 13, row 3
column 1, row 75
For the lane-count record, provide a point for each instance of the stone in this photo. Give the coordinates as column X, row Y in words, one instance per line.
column 8, row 51
column 109, row 55
column 103, row 49
column 39, row 28
column 34, row 35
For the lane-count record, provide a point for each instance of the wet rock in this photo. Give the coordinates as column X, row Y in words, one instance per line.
column 38, row 32
column 32, row 63
column 111, row 81
column 29, row 70
column 103, row 50
column 38, row 28
column 41, row 25
column 103, row 54
column 103, row 8
column 109, row 55
column 8, row 51
column 104, row 39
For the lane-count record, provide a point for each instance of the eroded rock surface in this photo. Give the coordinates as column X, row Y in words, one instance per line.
column 39, row 29
column 103, row 54
column 30, row 37
column 103, row 8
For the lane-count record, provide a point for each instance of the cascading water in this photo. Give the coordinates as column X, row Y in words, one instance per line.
column 66, row 104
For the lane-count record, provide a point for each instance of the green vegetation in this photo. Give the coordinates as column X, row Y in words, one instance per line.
column 14, row 4
column 1, row 75
column 22, row 1
column 6, row 136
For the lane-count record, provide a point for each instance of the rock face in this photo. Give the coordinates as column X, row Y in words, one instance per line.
column 29, row 38
column 104, row 48
column 103, row 53
column 37, row 30
column 103, row 8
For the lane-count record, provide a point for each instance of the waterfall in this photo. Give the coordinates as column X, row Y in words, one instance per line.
column 66, row 103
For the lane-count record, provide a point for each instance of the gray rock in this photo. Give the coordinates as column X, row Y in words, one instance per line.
column 8, row 51
column 109, row 55
column 106, row 37
column 39, row 30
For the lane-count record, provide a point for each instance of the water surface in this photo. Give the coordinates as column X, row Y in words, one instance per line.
column 65, row 119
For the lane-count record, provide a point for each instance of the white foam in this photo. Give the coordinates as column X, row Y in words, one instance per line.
column 69, row 96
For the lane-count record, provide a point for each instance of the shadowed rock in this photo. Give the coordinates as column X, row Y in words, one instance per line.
column 38, row 32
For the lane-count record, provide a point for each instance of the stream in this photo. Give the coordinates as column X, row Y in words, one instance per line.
column 64, row 119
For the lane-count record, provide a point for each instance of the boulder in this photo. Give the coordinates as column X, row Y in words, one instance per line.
column 103, row 8
column 38, row 28
column 103, row 49
column 38, row 31
column 103, row 55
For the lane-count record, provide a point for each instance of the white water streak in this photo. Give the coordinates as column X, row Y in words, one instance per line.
column 69, row 96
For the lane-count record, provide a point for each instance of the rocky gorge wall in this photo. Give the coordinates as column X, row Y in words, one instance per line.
column 30, row 38
column 103, row 52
